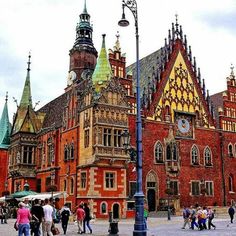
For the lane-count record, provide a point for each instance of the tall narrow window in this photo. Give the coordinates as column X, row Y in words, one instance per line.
column 230, row 150
column 231, row 183
column 83, row 179
column 117, row 138
column 194, row 156
column 207, row 157
column 109, row 180
column 71, row 186
column 195, row 188
column 174, row 186
column 107, row 137
column 158, row 153
column 168, row 153
column 209, row 188
column 86, row 138
column 65, row 152
column 72, row 151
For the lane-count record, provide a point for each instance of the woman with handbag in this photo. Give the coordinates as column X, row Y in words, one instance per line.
column 23, row 219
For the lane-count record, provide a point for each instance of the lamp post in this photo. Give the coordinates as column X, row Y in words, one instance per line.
column 139, row 225
column 168, row 199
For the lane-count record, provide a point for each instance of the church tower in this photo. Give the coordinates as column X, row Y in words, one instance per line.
column 83, row 55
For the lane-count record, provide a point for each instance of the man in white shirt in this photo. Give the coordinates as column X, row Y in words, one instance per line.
column 47, row 223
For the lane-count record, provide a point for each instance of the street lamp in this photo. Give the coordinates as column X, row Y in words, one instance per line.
column 139, row 225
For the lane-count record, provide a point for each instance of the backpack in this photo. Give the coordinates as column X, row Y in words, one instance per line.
column 187, row 213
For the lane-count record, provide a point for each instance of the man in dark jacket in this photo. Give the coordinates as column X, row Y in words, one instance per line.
column 231, row 212
column 65, row 214
column 87, row 218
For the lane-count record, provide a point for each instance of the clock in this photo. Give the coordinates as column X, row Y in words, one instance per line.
column 183, row 125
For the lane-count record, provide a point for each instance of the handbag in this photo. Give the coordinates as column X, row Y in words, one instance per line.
column 16, row 226
column 55, row 230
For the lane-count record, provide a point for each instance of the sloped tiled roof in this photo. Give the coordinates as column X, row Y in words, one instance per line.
column 54, row 111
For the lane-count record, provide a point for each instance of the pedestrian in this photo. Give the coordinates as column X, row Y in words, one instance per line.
column 145, row 213
column 23, row 219
column 47, row 223
column 210, row 215
column 80, row 214
column 65, row 214
column 87, row 218
column 1, row 214
column 204, row 217
column 193, row 217
column 186, row 215
column 199, row 217
column 37, row 217
column 231, row 212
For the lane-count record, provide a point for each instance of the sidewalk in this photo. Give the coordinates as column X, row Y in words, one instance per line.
column 156, row 227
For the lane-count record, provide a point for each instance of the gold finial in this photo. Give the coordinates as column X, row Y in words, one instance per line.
column 6, row 99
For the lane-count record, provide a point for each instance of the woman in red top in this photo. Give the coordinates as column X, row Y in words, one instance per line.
column 80, row 218
column 23, row 219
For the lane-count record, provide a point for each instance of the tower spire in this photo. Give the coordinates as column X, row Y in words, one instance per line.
column 5, row 126
column 85, row 8
column 26, row 99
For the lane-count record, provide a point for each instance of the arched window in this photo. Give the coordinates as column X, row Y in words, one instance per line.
column 172, row 152
column 103, row 208
column 71, row 186
column 230, row 150
column 231, row 183
column 65, row 186
column 168, row 152
column 175, row 152
column 65, row 153
column 158, row 153
column 72, row 151
column 207, row 157
column 194, row 155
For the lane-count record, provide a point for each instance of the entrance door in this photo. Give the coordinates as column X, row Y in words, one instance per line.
column 151, row 197
column 116, row 210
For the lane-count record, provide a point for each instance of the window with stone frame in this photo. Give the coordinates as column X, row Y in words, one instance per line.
column 194, row 155
column 110, row 180
column 158, row 153
column 195, row 188
column 50, row 149
column 103, row 207
column 207, row 157
column 72, row 151
column 86, row 138
column 117, row 138
column 71, row 186
column 174, row 187
column 27, row 155
column 230, row 150
column 132, row 188
column 66, row 153
column 209, row 188
column 65, row 185
column 172, row 152
column 107, row 137
column 231, row 183
column 83, row 179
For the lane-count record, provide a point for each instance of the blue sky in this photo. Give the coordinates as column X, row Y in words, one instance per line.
column 47, row 29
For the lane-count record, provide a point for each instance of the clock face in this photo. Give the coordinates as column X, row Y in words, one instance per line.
column 183, row 125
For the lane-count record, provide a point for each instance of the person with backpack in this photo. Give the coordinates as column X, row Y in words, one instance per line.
column 186, row 215
column 211, row 215
column 65, row 214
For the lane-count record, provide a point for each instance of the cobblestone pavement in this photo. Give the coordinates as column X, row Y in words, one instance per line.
column 156, row 227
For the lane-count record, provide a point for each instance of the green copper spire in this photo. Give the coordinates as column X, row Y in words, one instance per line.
column 102, row 72
column 26, row 99
column 5, row 127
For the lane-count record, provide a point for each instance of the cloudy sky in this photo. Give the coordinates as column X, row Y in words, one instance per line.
column 47, row 29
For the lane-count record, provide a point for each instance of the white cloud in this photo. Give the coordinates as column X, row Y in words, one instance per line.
column 47, row 28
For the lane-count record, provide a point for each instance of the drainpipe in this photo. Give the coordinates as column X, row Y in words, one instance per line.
column 222, row 167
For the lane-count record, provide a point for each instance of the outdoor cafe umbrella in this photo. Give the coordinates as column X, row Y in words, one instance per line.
column 23, row 193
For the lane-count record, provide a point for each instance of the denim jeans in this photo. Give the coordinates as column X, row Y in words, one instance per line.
column 24, row 229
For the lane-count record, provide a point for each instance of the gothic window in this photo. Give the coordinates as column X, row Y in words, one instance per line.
column 231, row 183
column 66, row 153
column 195, row 188
column 72, row 151
column 158, row 153
column 107, row 137
column 103, row 207
column 230, row 150
column 207, row 157
column 117, row 138
column 71, row 186
column 65, row 185
column 121, row 72
column 83, row 179
column 209, row 188
column 86, row 138
column 50, row 151
column 194, row 155
column 172, row 152
column 110, row 180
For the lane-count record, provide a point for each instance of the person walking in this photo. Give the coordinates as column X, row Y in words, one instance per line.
column 80, row 215
column 210, row 215
column 23, row 219
column 65, row 214
column 47, row 223
column 193, row 217
column 186, row 215
column 37, row 217
column 87, row 218
column 231, row 212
